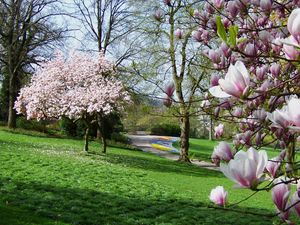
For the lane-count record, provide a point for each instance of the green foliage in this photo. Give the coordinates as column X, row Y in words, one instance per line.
column 50, row 181
column 119, row 137
column 221, row 29
column 233, row 31
column 166, row 129
column 33, row 125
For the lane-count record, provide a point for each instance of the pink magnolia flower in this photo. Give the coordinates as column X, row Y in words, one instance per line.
column 280, row 194
column 178, row 33
column 218, row 196
column 296, row 200
column 275, row 70
column 293, row 25
column 266, row 5
column 293, row 109
column 236, row 82
column 218, row 3
column 290, row 48
column 250, row 50
column 214, row 80
column 273, row 165
column 222, row 152
column 219, row 130
column 279, row 118
column 159, row 15
column 247, row 168
column 169, row 90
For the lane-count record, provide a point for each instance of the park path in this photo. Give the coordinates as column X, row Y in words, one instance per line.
column 154, row 144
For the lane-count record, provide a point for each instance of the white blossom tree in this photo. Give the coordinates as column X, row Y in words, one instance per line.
column 82, row 87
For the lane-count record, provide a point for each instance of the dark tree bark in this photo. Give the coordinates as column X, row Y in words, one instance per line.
column 100, row 121
column 86, row 139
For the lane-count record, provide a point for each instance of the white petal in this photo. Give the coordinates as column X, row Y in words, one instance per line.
column 216, row 91
column 242, row 69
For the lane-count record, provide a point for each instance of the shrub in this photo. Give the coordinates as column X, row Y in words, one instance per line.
column 166, row 129
column 25, row 124
column 119, row 137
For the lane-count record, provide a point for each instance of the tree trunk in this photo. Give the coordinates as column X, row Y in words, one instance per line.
column 102, row 132
column 12, row 115
column 86, row 139
column 104, row 144
column 184, row 138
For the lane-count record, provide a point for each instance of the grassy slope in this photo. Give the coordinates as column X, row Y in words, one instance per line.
column 50, row 181
column 202, row 149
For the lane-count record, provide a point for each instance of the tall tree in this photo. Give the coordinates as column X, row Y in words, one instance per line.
column 27, row 31
column 109, row 24
column 170, row 54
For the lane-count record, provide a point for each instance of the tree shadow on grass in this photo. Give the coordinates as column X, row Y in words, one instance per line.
column 158, row 164
column 83, row 206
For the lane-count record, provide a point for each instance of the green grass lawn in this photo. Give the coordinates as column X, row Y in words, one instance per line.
column 202, row 149
column 51, row 181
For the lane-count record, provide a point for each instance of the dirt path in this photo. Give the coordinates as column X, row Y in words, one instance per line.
column 147, row 142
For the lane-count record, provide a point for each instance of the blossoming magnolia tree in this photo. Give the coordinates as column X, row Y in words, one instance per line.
column 254, row 47
column 82, row 87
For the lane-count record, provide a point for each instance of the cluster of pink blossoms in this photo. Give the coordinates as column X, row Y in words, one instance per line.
column 82, row 85
column 250, row 42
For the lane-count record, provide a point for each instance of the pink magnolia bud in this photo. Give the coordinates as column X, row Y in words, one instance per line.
column 290, row 51
column 265, row 36
column 222, row 152
column 232, row 8
column 226, row 50
column 218, row 3
column 178, row 33
column 258, row 139
column 246, row 138
column 169, row 90
column 261, row 72
column 261, row 21
column 214, row 56
column 219, row 130
column 167, row 2
column 250, row 50
column 294, row 23
column 218, row 196
column 209, row 8
column 238, row 112
column 226, row 23
column 159, row 15
column 273, row 165
column 266, row 5
column 280, row 195
column 197, row 35
column 214, row 80
column 275, row 70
